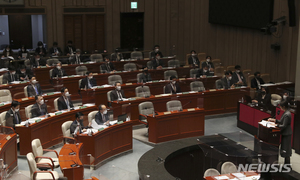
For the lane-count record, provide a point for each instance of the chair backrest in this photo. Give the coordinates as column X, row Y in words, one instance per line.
column 142, row 91
column 247, row 71
column 56, row 104
column 138, row 77
column 114, row 78
column 201, row 56
column 50, row 72
column 52, row 61
column 266, row 78
column 25, row 91
column 187, row 59
column 202, row 61
column 150, row 54
column 216, row 62
column 102, row 70
column 65, row 128
column 5, row 95
column 211, row 172
column 275, row 99
column 228, row 167
column 136, row 55
column 231, row 68
column 81, row 70
column 174, row 63
column 96, row 58
column 174, row 105
column 1, row 79
column 250, row 77
column 2, row 118
column 108, row 95
column 79, row 83
column 219, row 84
column 91, row 116
column 149, row 65
column 164, row 90
column 219, row 71
column 37, row 148
column 193, row 72
column 31, row 163
column 169, row 73
column 28, row 111
column 130, row 67
column 27, row 63
column 146, row 108
column 197, row 86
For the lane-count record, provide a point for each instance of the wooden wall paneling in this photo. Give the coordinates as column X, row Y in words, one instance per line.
column 91, row 32
column 78, row 34
column 58, row 10
column 100, row 25
column 101, row 2
column 168, row 29
column 141, row 5
column 203, row 29
column 38, row 2
column 155, row 22
column 192, row 27
column 32, row 3
column 187, row 26
column 181, row 31
column 149, row 25
column 89, row 2
column 174, row 22
column 162, row 25
column 116, row 25
column 197, row 30
column 67, row 3
column 79, row 3
column 109, row 25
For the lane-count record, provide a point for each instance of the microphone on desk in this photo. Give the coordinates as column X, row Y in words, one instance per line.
column 278, row 112
column 71, row 153
column 185, row 105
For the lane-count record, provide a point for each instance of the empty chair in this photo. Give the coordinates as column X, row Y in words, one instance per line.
column 275, row 99
column 139, row 77
column 130, row 67
column 174, row 105
column 2, row 118
column 142, row 91
column 35, row 174
column 169, row 73
column 145, row 108
column 114, row 78
column 50, row 72
column 52, row 61
column 149, row 65
column 219, row 84
column 81, row 70
column 28, row 111
column 65, row 128
column 201, row 56
column 27, row 63
column 38, row 151
column 108, row 98
column 1, row 79
column 219, row 71
column 231, row 68
column 228, row 167
column 266, row 77
column 56, row 104
column 173, row 63
column 216, row 62
column 197, row 86
column 96, row 58
column 249, row 78
column 247, row 71
column 25, row 91
column 193, row 72
column 79, row 82
column 5, row 95
column 136, row 55
column 211, row 172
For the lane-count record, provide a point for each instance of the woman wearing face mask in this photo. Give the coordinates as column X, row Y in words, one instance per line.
column 23, row 53
column 193, row 59
column 12, row 116
column 7, row 52
column 263, row 98
column 208, row 63
column 40, row 49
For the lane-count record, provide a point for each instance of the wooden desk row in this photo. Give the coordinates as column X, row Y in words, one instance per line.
column 16, row 90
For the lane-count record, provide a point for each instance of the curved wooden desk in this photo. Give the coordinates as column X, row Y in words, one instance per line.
column 107, row 143
column 8, row 152
column 67, row 160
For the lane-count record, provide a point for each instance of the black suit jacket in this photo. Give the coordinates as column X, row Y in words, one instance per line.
column 114, row 56
column 210, row 64
column 7, row 78
column 254, row 82
column 21, row 52
column 235, row 78
column 52, row 51
column 26, row 74
column 36, row 111
column 106, row 65
column 35, row 63
column 114, row 95
column 155, row 64
column 84, row 83
column 61, row 103
column 42, row 51
column 74, row 126
column 146, row 77
column 200, row 72
column 169, row 89
column 31, row 91
column 67, row 50
column 11, row 120
column 99, row 120
column 285, row 123
column 74, row 60
column 266, row 102
column 191, row 61
column 225, row 83
column 152, row 55
column 58, row 73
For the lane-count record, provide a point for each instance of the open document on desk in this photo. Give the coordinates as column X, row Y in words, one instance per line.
column 267, row 124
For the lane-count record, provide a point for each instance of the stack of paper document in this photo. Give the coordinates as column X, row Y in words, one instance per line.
column 267, row 124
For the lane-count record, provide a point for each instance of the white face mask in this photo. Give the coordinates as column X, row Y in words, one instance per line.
column 67, row 93
column 230, row 77
column 156, row 50
column 284, row 97
column 40, row 46
column 208, row 60
column 174, row 82
column 23, row 49
column 14, row 72
column 193, row 54
column 204, row 70
column 7, row 49
column 119, row 88
column 17, row 110
column 33, row 81
column 42, row 102
column 105, row 112
column 90, row 77
column 58, row 67
column 37, row 59
column 23, row 72
column 237, row 71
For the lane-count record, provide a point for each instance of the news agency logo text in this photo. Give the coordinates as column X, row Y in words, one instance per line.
column 283, row 168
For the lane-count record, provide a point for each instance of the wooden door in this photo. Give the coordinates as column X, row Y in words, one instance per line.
column 20, row 31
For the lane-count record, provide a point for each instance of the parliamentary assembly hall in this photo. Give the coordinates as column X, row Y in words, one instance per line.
column 149, row 90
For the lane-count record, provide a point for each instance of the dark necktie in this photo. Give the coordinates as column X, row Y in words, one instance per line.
column 17, row 118
column 108, row 68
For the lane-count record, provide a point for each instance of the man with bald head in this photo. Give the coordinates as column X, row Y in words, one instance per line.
column 101, row 117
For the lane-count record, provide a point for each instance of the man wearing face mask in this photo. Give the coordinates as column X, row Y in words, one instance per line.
column 173, row 87
column 58, row 71
column 39, row 108
column 64, row 101
column 77, row 126
column 227, row 80
column 12, row 116
column 156, row 50
column 40, row 49
column 107, row 66
column 263, row 98
column 209, row 64
column 70, row 49
column 286, row 97
column 256, row 82
column 238, row 77
column 145, row 77
column 24, row 73
column 77, row 58
column 10, row 76
column 157, row 63
column 88, row 82
column 193, row 59
column 116, row 56
column 23, row 53
column 117, row 94
column 203, row 73
column 34, row 88
column 55, row 50
column 101, row 117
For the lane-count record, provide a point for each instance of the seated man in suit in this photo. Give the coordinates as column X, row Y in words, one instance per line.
column 12, row 116
column 77, row 58
column 64, row 101
column 70, row 49
column 145, row 77
column 34, row 88
column 58, row 71
column 209, row 64
column 156, row 50
column 256, row 82
column 41, row 50
column 238, row 77
column 227, row 80
column 55, row 51
column 203, row 72
column 193, row 59
column 108, row 66
column 157, row 63
column 263, row 98
column 116, row 56
column 39, row 108
column 10, row 76
column 117, row 94
column 78, row 123
column 24, row 73
column 88, row 82
column 101, row 117
column 173, row 87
